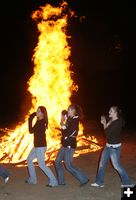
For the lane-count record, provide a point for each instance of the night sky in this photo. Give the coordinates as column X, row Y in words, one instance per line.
column 100, row 55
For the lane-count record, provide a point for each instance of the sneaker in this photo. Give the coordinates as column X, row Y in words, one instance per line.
column 30, row 182
column 49, row 185
column 127, row 186
column 96, row 185
column 6, row 179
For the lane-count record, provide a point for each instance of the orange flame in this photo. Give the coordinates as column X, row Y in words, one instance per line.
column 51, row 85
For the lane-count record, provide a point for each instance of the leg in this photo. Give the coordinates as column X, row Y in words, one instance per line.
column 40, row 153
column 4, row 173
column 102, row 165
column 59, row 167
column 32, row 155
column 77, row 173
column 115, row 158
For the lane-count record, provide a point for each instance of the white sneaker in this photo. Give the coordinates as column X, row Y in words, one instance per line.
column 127, row 186
column 30, row 182
column 96, row 185
column 6, row 179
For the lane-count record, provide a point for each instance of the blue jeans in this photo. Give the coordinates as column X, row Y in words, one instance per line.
column 114, row 155
column 66, row 154
column 3, row 172
column 39, row 153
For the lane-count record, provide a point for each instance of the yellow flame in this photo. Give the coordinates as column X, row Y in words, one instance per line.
column 51, row 84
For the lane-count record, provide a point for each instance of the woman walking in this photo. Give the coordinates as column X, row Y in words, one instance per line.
column 112, row 149
column 69, row 134
column 40, row 147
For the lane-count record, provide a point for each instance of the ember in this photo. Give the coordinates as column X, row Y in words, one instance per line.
column 51, row 85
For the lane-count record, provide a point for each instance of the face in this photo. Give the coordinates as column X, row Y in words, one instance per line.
column 112, row 113
column 39, row 114
column 71, row 112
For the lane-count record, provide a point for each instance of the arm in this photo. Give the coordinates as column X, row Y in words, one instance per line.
column 104, row 123
column 72, row 129
column 114, row 126
column 30, row 119
column 63, row 120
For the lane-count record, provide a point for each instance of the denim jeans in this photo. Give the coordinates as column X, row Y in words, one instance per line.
column 114, row 155
column 39, row 153
column 3, row 172
column 66, row 154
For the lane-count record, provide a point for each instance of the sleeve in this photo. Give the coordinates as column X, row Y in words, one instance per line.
column 30, row 119
column 72, row 129
column 113, row 127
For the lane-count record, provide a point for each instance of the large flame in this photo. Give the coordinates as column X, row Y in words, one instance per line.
column 51, row 85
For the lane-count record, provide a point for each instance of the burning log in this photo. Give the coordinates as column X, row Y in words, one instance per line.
column 92, row 142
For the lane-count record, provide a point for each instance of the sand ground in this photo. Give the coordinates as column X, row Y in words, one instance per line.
column 17, row 189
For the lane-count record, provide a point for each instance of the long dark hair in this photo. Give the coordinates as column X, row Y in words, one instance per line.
column 45, row 114
column 78, row 110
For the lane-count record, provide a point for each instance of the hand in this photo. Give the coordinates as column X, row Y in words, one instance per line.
column 103, row 120
column 66, row 117
column 63, row 119
column 33, row 115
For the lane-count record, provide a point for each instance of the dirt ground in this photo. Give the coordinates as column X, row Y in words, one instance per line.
column 17, row 189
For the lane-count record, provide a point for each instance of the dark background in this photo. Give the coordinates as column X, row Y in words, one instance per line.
column 102, row 63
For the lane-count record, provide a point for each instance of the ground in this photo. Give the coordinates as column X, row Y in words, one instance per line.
column 17, row 189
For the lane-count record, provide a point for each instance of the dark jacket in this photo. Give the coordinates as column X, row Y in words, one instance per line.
column 113, row 131
column 38, row 130
column 70, row 132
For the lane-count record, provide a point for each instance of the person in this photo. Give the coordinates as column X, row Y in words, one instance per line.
column 4, row 173
column 40, row 147
column 69, row 129
column 112, row 128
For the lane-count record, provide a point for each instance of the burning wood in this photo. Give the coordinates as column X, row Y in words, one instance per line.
column 84, row 145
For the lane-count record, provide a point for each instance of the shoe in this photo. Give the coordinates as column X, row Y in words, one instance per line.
column 51, row 186
column 30, row 182
column 96, row 185
column 6, row 179
column 83, row 184
column 62, row 184
column 127, row 186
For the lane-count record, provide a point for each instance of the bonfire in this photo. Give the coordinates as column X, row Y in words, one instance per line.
column 50, row 85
